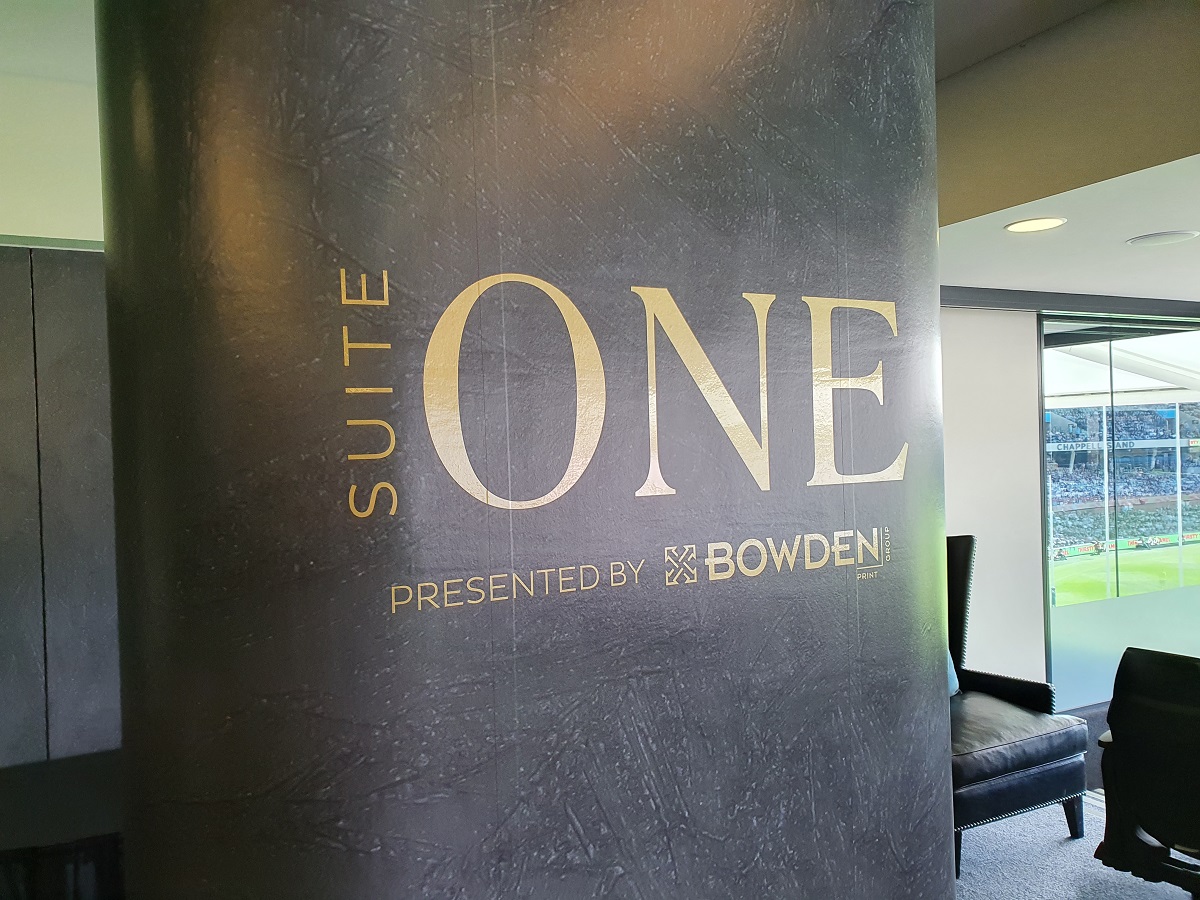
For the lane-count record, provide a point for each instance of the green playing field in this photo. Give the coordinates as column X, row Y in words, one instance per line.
column 1085, row 578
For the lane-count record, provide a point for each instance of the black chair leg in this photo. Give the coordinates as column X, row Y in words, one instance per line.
column 1074, row 810
column 957, row 853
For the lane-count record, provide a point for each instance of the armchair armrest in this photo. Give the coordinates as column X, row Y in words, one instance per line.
column 1035, row 695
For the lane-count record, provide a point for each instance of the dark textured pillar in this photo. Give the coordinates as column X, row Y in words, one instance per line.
column 350, row 667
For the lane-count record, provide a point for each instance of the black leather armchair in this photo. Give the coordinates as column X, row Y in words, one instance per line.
column 1151, row 793
column 1009, row 753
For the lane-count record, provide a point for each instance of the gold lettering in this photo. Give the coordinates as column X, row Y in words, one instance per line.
column 762, row 557
column 476, row 590
column 840, row 547
column 423, row 597
column 636, row 569
column 347, row 346
column 381, row 424
column 569, row 579
column 447, row 593
column 363, row 301
column 662, row 308
column 871, row 546
column 443, row 413
column 362, row 514
column 725, row 560
column 808, row 542
column 545, row 573
column 614, row 570
column 494, row 588
column 824, row 384
column 583, row 585
column 401, row 587
column 527, row 587
column 784, row 553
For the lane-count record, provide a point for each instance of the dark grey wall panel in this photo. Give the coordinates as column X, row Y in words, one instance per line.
column 77, row 502
column 60, row 800
column 22, row 685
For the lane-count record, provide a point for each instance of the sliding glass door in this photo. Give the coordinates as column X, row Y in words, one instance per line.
column 1122, row 468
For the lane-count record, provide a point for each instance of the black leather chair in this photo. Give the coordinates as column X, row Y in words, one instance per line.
column 1009, row 753
column 1151, row 755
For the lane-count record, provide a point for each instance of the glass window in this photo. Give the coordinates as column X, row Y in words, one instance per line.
column 1122, row 468
column 1122, row 426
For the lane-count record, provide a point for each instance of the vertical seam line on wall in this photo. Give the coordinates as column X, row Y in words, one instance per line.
column 37, row 432
column 482, row 364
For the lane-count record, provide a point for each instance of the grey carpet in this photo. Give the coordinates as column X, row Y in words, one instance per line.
column 1032, row 857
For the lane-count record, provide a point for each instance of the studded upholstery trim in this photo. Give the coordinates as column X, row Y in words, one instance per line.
column 1017, row 812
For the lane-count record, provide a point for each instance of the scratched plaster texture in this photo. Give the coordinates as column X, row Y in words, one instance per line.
column 287, row 733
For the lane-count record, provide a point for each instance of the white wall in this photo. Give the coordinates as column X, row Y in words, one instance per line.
column 49, row 161
column 49, row 124
column 991, row 396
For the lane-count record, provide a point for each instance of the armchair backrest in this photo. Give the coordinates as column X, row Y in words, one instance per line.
column 960, row 564
column 1155, row 722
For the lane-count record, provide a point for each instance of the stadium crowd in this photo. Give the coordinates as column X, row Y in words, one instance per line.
column 1087, row 484
column 1085, row 526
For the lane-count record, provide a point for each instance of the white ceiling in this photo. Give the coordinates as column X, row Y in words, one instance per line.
column 1088, row 255
column 51, row 39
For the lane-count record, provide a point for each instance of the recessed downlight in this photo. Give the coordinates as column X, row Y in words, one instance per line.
column 1027, row 226
column 1160, row 238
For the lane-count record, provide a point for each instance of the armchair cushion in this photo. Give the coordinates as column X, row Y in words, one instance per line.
column 991, row 738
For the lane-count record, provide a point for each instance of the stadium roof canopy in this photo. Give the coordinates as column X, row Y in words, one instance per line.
column 1163, row 368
